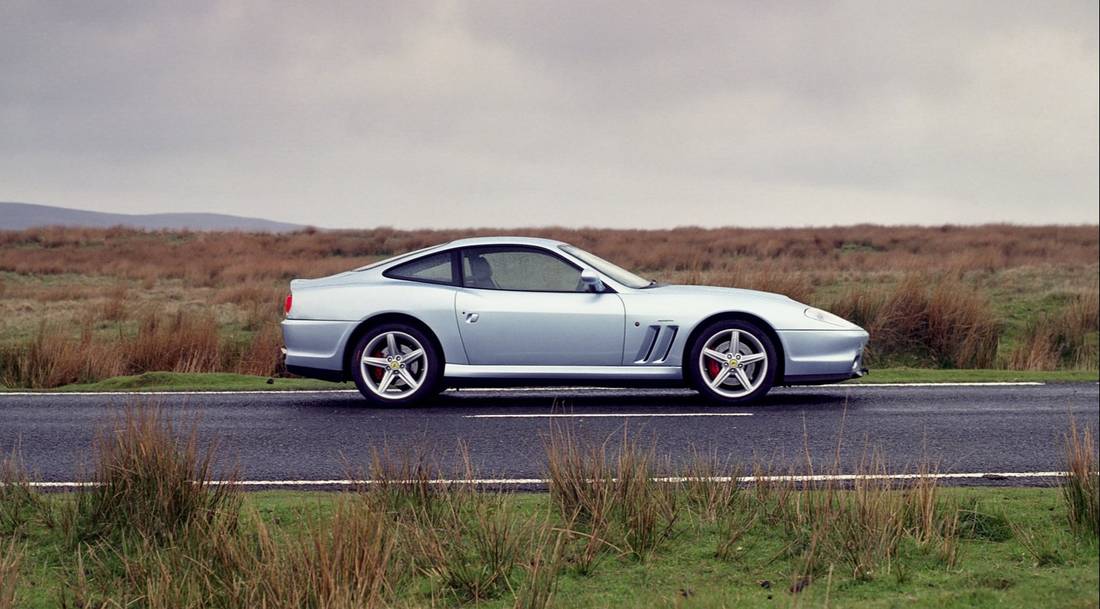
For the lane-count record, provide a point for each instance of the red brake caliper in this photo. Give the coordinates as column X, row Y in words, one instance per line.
column 375, row 371
column 712, row 368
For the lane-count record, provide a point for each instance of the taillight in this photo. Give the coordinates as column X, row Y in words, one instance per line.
column 289, row 302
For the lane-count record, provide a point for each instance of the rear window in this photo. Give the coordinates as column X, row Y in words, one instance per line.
column 436, row 268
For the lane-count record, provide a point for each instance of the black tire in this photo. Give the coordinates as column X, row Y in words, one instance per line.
column 429, row 379
column 695, row 373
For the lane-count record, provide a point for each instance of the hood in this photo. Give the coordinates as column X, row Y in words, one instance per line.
column 698, row 290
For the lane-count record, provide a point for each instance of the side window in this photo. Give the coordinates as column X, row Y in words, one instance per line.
column 518, row 269
column 436, row 268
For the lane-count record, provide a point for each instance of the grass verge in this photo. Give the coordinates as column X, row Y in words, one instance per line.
column 684, row 572
column 199, row 381
column 217, row 381
column 929, row 375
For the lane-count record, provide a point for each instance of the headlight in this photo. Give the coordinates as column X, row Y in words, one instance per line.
column 827, row 317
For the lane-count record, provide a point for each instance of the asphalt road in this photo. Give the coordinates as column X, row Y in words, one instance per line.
column 287, row 437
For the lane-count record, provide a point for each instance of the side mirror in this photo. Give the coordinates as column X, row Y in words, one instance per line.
column 591, row 280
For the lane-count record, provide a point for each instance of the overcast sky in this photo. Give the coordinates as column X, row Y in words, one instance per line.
column 622, row 114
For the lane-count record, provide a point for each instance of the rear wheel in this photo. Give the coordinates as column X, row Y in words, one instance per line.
column 732, row 362
column 395, row 365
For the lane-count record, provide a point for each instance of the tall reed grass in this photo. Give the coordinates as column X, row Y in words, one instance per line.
column 152, row 483
column 11, row 558
column 1065, row 338
column 613, row 497
column 941, row 324
column 1081, row 489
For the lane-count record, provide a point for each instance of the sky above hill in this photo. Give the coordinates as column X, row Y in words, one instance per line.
column 504, row 113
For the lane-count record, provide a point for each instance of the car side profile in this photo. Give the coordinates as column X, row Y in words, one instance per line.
column 523, row 311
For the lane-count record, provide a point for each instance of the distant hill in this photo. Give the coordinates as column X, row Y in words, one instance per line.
column 18, row 216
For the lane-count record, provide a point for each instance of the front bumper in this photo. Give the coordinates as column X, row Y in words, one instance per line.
column 822, row 356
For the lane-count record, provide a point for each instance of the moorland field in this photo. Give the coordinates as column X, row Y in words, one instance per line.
column 81, row 305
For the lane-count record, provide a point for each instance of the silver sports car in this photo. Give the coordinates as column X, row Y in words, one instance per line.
column 513, row 310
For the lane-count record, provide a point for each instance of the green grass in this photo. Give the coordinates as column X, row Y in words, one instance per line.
column 214, row 381
column 684, row 573
column 178, row 381
column 931, row 375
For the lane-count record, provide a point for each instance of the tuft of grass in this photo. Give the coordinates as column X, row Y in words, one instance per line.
column 542, row 571
column 1081, row 488
column 1045, row 547
column 150, row 483
column 615, row 496
column 11, row 557
column 975, row 522
column 472, row 551
column 18, row 501
column 353, row 560
column 1065, row 338
column 711, row 486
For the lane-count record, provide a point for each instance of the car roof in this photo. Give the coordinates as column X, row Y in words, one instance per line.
column 504, row 240
column 468, row 242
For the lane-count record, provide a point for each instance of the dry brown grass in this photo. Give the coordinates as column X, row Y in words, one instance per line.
column 152, row 483
column 226, row 259
column 11, row 556
column 1064, row 336
column 183, row 342
column 941, row 322
column 1081, row 489
column 80, row 305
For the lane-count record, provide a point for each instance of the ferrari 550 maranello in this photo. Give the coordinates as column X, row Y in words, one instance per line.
column 522, row 311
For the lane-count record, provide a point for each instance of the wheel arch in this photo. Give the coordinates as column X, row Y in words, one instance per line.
column 384, row 318
column 781, row 353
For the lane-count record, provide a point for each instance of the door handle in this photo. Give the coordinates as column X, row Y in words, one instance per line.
column 471, row 318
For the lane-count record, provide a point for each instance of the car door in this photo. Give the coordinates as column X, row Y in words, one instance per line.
column 526, row 306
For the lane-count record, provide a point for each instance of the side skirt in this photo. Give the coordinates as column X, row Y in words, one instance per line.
column 463, row 375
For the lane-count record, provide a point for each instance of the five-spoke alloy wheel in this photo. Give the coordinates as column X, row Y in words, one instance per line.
column 732, row 361
column 395, row 364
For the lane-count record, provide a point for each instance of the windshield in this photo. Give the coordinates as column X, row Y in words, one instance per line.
column 613, row 271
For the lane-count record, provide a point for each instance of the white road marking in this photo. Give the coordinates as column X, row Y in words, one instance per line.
column 510, row 389
column 134, row 393
column 606, row 415
column 543, row 481
column 967, row 384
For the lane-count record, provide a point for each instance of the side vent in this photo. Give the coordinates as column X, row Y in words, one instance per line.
column 648, row 342
column 656, row 344
column 667, row 338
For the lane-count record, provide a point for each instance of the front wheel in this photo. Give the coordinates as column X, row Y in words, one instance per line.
column 395, row 365
column 732, row 362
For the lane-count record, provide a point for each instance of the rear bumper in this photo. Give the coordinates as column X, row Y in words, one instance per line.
column 316, row 346
column 336, row 376
column 822, row 356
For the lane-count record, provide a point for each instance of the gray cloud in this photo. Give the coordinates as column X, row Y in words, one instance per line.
column 598, row 113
